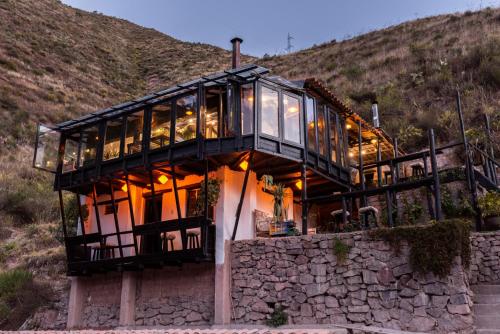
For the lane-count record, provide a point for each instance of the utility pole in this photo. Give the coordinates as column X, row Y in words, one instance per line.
column 289, row 45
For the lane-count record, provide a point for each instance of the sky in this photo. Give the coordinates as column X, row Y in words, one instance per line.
column 265, row 24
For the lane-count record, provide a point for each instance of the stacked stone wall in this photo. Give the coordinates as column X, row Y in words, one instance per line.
column 373, row 286
column 485, row 261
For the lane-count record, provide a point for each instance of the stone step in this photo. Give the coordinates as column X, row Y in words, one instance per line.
column 487, row 331
column 486, row 309
column 486, row 299
column 487, row 321
column 486, row 289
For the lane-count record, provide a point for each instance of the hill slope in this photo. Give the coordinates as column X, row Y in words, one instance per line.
column 58, row 62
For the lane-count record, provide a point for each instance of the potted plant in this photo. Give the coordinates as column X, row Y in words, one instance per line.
column 281, row 224
column 213, row 195
column 489, row 204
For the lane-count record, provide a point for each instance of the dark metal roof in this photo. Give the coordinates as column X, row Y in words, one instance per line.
column 242, row 73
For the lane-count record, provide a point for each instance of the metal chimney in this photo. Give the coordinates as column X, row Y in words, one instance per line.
column 375, row 116
column 236, row 51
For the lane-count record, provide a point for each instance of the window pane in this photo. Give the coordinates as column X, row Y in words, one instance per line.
column 70, row 155
column 47, row 149
column 90, row 138
column 247, row 109
column 269, row 112
column 342, row 143
column 291, row 107
column 133, row 135
column 160, row 125
column 321, row 129
column 311, row 125
column 228, row 112
column 112, row 139
column 333, row 134
column 212, row 114
column 185, row 127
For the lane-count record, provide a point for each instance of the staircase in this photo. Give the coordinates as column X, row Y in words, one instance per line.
column 487, row 308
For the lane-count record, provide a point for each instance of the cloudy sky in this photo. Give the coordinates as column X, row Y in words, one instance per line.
column 265, row 24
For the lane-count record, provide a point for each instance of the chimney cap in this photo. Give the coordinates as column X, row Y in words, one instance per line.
column 236, row 39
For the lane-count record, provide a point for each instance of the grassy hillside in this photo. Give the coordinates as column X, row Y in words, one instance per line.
column 413, row 70
column 57, row 62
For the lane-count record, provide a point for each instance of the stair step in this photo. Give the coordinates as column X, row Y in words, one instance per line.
column 486, row 289
column 487, row 321
column 486, row 309
column 486, row 299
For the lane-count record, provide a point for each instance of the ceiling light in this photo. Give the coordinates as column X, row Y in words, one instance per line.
column 124, row 188
column 189, row 112
column 293, row 109
column 348, row 126
column 244, row 165
column 374, row 141
column 163, row 179
column 298, row 184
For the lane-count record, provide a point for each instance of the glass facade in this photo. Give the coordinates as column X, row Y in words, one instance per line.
column 311, row 124
column 247, row 100
column 291, row 110
column 160, row 125
column 133, row 133
column 185, row 126
column 89, row 142
column 112, row 139
column 322, row 140
column 213, row 110
column 46, row 155
column 333, row 134
column 269, row 112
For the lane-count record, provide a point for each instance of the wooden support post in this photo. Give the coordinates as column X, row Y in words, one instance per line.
column 178, row 207
column 242, row 196
column 435, row 174
column 63, row 221
column 388, row 202
column 97, row 215
column 364, row 222
column 305, row 207
column 427, row 191
column 396, row 154
column 131, row 212
column 204, row 226
column 82, row 223
column 153, row 196
column 379, row 168
column 344, row 211
column 464, row 140
column 115, row 217
column 491, row 152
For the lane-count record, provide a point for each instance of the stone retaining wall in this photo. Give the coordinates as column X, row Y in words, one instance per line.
column 374, row 286
column 176, row 296
column 102, row 300
column 485, row 261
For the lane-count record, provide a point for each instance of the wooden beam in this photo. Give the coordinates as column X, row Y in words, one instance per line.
column 242, row 196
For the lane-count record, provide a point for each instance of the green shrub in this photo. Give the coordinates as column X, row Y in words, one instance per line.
column 340, row 250
column 489, row 204
column 352, row 71
column 433, row 247
column 278, row 318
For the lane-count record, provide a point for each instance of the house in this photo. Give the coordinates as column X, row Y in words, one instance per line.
column 136, row 174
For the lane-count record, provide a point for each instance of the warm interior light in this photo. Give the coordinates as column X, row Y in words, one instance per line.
column 163, row 179
column 250, row 99
column 348, row 126
column 374, row 141
column 363, row 152
column 351, row 155
column 244, row 165
column 311, row 125
column 298, row 184
column 124, row 188
column 293, row 109
column 189, row 112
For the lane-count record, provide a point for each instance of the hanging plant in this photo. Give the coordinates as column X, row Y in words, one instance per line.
column 213, row 195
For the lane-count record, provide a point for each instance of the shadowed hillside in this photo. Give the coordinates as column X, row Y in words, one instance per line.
column 57, row 63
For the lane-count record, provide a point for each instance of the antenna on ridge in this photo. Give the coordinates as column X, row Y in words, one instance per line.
column 289, row 45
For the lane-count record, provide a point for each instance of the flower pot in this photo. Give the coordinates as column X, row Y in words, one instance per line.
column 492, row 223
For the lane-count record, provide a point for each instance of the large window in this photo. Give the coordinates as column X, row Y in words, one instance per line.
column 247, row 109
column 333, row 134
column 269, row 112
column 291, row 108
column 89, row 141
column 112, row 139
column 70, row 154
column 214, row 105
column 342, row 142
column 311, row 124
column 320, row 111
column 133, row 135
column 47, row 149
column 160, row 125
column 185, row 127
